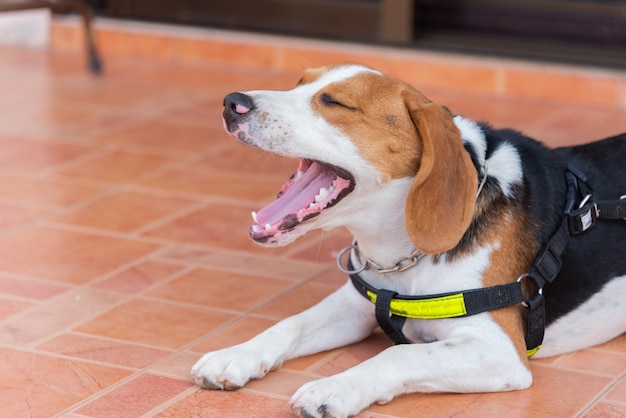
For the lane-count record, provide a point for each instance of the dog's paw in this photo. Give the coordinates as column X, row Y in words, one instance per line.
column 228, row 369
column 327, row 398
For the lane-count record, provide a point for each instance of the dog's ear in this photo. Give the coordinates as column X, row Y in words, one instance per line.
column 441, row 201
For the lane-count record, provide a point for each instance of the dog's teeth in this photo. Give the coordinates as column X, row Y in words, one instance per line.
column 324, row 192
column 254, row 217
column 268, row 227
column 312, row 205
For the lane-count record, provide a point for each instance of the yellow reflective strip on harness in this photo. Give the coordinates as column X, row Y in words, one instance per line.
column 532, row 352
column 436, row 308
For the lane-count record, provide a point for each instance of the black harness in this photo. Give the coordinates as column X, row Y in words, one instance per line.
column 580, row 213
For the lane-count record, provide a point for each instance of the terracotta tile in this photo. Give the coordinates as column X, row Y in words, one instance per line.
column 299, row 57
column 128, row 355
column 57, row 119
column 221, row 290
column 233, row 334
column 155, row 323
column 43, row 192
column 176, row 138
column 217, row 183
column 546, row 396
column 429, row 405
column 503, row 113
column 311, row 362
column 203, row 113
column 266, row 263
column 617, row 344
column 47, row 319
column 348, row 357
column 177, row 365
column 333, row 277
column 239, row 158
column 65, row 256
column 104, row 95
column 30, row 289
column 135, row 44
column 218, row 226
column 445, row 75
column 207, row 51
column 12, row 216
column 117, row 167
column 618, row 392
column 42, row 386
column 605, row 410
column 237, row 404
column 281, row 382
column 21, row 155
column 325, row 247
column 604, row 126
column 124, row 211
column 296, row 301
column 557, row 86
column 137, row 278
column 130, row 399
column 9, row 307
column 482, row 408
column 600, row 362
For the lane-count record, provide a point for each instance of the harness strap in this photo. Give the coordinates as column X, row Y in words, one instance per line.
column 614, row 209
column 392, row 309
column 390, row 323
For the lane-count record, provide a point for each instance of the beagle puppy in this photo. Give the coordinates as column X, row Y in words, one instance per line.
column 437, row 204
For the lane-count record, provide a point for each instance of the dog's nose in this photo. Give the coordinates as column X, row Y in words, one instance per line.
column 238, row 104
column 236, row 107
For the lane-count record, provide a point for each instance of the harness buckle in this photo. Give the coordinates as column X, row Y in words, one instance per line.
column 584, row 217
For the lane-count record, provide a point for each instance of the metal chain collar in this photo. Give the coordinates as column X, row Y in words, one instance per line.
column 402, row 265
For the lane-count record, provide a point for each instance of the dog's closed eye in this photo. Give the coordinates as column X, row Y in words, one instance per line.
column 328, row 100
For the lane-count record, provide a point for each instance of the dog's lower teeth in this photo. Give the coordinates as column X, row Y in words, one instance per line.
column 254, row 217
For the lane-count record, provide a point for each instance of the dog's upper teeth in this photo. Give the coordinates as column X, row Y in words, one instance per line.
column 254, row 217
column 268, row 227
column 324, row 193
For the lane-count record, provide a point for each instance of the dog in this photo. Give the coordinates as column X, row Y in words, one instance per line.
column 438, row 204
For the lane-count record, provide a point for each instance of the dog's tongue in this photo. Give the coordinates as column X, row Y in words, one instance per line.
column 298, row 194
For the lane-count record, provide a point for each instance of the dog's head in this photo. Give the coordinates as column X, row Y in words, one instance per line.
column 354, row 131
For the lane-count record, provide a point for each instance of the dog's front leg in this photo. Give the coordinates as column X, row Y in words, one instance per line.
column 342, row 318
column 459, row 364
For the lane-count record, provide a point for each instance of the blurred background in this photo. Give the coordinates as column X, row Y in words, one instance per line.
column 573, row 31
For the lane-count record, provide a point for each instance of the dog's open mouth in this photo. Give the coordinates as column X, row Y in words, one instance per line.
column 311, row 190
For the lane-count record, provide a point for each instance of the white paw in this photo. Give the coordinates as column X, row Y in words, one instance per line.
column 328, row 398
column 228, row 369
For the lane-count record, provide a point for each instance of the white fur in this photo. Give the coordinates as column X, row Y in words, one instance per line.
column 506, row 167
column 472, row 134
column 580, row 328
column 471, row 354
column 504, row 164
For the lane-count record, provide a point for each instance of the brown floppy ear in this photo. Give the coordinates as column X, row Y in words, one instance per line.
column 441, row 201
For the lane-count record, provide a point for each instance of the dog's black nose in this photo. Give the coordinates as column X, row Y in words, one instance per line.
column 236, row 107
column 238, row 103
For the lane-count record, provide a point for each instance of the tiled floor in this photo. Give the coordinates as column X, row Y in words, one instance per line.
column 123, row 216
